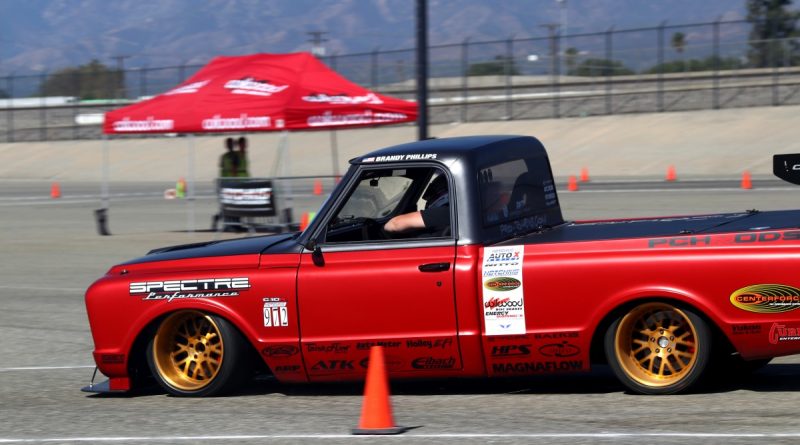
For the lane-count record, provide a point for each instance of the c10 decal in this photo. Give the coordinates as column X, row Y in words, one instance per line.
column 767, row 298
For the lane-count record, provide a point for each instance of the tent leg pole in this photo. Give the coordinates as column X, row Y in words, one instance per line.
column 190, row 191
column 335, row 155
column 101, row 214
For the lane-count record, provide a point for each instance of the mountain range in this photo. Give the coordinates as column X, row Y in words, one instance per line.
column 46, row 35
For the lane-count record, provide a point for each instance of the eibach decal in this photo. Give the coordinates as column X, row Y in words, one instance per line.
column 196, row 288
column 767, row 298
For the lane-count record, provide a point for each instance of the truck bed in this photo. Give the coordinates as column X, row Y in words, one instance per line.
column 663, row 226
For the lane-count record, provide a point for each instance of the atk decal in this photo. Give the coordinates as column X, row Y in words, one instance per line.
column 780, row 333
column 503, row 297
column 276, row 314
column 563, row 349
column 333, row 365
column 767, row 298
column 197, row 288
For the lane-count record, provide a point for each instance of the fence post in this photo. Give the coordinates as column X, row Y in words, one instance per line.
column 660, row 66
column 509, row 66
column 773, row 60
column 374, row 68
column 609, row 55
column 43, row 109
column 464, row 78
column 9, row 109
column 715, row 89
column 79, row 86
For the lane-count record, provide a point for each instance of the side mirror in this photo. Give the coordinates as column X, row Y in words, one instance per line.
column 316, row 253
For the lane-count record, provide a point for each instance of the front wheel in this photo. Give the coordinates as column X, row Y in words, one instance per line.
column 658, row 348
column 197, row 354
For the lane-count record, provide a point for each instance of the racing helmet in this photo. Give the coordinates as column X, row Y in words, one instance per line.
column 436, row 194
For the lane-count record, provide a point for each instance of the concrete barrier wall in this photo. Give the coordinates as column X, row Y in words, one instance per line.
column 720, row 143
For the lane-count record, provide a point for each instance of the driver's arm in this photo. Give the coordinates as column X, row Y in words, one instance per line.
column 406, row 221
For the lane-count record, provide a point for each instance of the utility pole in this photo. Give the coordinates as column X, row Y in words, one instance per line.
column 316, row 42
column 422, row 69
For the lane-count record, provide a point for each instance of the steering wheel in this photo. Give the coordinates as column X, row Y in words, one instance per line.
column 371, row 227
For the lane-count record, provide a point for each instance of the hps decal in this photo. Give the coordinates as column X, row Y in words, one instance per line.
column 502, row 284
column 198, row 288
column 767, row 298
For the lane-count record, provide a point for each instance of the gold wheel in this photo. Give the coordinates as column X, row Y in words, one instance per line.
column 188, row 350
column 656, row 345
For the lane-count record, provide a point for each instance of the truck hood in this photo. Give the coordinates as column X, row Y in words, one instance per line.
column 283, row 243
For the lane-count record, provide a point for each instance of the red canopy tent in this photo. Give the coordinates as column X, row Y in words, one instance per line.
column 260, row 92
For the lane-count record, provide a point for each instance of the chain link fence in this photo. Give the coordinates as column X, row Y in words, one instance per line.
column 656, row 69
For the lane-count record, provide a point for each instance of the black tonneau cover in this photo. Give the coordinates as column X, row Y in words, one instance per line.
column 669, row 226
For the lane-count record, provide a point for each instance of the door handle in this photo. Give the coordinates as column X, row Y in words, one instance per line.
column 434, row 267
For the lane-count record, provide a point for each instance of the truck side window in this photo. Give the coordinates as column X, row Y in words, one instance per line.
column 514, row 189
column 383, row 194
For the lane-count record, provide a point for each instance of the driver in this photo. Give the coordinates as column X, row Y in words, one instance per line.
column 436, row 215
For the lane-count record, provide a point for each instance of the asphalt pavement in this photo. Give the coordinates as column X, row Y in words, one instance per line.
column 51, row 252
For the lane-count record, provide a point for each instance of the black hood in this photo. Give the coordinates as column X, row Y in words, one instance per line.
column 283, row 243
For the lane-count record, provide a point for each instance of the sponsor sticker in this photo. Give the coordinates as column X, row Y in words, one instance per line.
column 253, row 87
column 196, row 288
column 563, row 349
column 149, row 124
column 329, row 119
column 434, row 363
column 780, row 333
column 288, row 369
column 440, row 343
column 368, row 344
column 343, row 99
column 333, row 365
column 280, row 351
column 746, row 329
column 238, row 196
column 511, row 350
column 276, row 313
column 767, row 298
column 503, row 297
column 537, row 367
column 328, row 348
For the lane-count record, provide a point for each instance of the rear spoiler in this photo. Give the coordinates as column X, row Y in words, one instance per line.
column 787, row 167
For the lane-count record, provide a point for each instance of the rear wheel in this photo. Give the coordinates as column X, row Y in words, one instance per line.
column 658, row 348
column 197, row 354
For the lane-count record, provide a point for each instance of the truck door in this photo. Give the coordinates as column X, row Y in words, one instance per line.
column 365, row 287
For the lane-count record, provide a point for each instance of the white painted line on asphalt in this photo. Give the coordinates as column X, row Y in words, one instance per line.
column 406, row 436
column 64, row 289
column 45, row 368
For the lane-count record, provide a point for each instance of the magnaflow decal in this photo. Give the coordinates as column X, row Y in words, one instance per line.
column 275, row 312
column 197, row 288
column 767, row 298
column 503, row 298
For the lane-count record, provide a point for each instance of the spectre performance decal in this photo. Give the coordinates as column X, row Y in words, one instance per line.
column 503, row 297
column 198, row 288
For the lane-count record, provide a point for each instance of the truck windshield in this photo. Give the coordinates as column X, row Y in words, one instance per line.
column 515, row 189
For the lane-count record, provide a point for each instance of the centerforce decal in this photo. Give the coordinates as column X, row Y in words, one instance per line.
column 503, row 297
column 254, row 87
column 767, row 298
column 180, row 289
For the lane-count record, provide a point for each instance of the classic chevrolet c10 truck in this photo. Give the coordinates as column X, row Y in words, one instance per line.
column 501, row 286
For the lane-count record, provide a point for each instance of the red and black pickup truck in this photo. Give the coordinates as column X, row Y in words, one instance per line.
column 494, row 283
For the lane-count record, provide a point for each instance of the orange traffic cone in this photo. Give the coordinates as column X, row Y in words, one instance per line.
column 572, row 184
column 747, row 182
column 671, row 176
column 55, row 190
column 317, row 187
column 304, row 220
column 584, row 174
column 376, row 413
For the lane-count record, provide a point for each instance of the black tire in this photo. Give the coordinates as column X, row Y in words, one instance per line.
column 658, row 348
column 197, row 354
